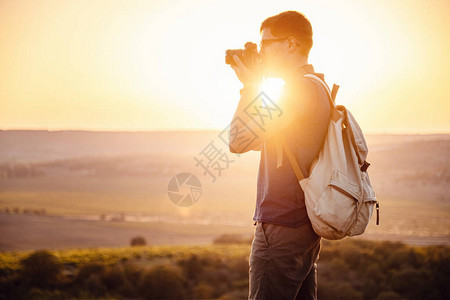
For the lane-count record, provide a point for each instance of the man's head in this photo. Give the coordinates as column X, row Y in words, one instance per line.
column 286, row 40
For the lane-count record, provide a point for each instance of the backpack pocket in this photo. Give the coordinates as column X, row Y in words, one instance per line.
column 338, row 204
column 366, row 209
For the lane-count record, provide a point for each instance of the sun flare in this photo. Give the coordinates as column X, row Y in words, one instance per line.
column 272, row 87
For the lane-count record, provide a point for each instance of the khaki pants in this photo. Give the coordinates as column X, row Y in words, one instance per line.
column 283, row 262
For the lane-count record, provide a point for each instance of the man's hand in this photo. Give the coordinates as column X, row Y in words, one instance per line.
column 245, row 75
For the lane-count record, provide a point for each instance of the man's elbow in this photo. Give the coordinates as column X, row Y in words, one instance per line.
column 236, row 149
column 256, row 146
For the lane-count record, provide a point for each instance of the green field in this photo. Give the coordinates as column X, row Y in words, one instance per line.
column 347, row 269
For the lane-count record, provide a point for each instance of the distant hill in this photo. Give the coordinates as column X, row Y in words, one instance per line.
column 399, row 163
column 102, row 176
column 42, row 145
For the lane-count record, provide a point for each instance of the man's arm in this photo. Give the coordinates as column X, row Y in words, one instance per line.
column 257, row 148
column 246, row 134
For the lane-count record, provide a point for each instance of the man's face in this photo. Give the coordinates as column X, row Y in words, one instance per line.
column 273, row 52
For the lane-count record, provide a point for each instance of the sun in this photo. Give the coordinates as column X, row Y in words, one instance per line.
column 272, row 87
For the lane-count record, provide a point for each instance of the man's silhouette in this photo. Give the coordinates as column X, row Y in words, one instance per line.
column 285, row 248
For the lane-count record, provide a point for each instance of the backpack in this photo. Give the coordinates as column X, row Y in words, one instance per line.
column 339, row 197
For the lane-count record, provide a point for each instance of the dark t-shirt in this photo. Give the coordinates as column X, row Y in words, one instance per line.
column 280, row 199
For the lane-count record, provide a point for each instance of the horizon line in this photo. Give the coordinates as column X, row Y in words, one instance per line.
column 202, row 129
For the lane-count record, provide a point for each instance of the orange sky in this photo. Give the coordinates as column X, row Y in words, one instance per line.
column 159, row 65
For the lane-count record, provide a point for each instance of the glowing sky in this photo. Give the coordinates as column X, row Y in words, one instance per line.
column 159, row 65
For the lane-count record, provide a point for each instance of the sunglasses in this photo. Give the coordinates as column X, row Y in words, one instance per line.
column 267, row 42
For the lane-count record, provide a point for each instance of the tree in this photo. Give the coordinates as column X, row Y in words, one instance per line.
column 138, row 241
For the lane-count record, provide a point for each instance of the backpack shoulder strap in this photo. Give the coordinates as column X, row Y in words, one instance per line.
column 295, row 166
column 330, row 93
column 332, row 97
column 334, row 92
column 335, row 114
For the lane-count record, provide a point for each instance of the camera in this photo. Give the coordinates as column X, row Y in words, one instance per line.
column 249, row 55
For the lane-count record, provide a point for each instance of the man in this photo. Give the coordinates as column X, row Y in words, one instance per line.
column 285, row 248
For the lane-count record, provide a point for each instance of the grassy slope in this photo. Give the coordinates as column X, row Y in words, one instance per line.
column 408, row 173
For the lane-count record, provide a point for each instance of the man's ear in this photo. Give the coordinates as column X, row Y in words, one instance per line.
column 292, row 44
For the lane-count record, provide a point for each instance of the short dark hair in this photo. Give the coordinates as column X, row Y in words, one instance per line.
column 291, row 23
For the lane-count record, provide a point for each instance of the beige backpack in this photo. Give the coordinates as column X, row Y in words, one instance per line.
column 339, row 197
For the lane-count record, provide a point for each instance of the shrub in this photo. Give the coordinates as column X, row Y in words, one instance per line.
column 113, row 277
column 389, row 295
column 162, row 281
column 132, row 273
column 412, row 283
column 231, row 239
column 192, row 268
column 240, row 266
column 88, row 269
column 95, row 285
column 220, row 279
column 237, row 294
column 403, row 258
column 41, row 269
column 128, row 290
column 203, row 291
column 37, row 294
column 336, row 291
column 138, row 241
